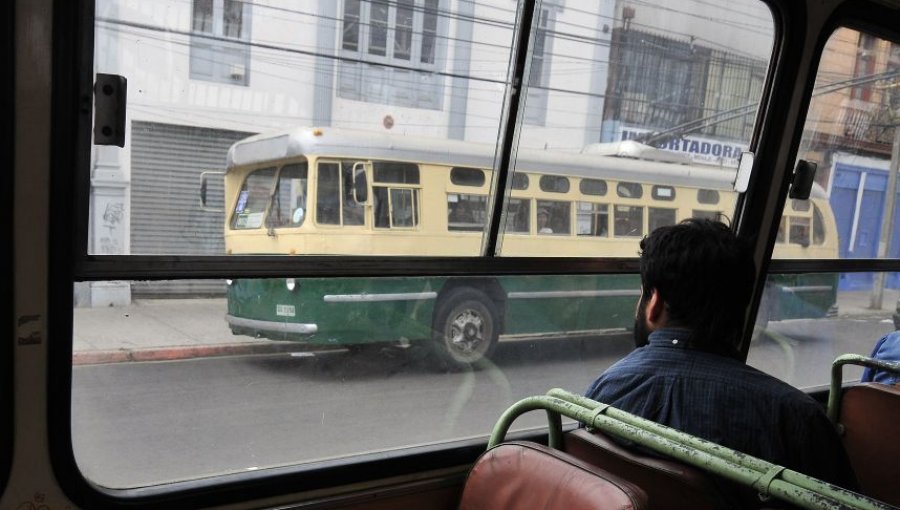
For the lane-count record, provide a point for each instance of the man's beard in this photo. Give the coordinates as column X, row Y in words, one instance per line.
column 641, row 333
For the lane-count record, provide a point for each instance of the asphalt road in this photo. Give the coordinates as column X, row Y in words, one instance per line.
column 138, row 424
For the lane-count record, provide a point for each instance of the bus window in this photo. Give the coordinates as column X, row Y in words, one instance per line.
column 779, row 238
column 799, row 231
column 592, row 219
column 462, row 176
column 403, row 208
column 663, row 193
column 520, row 181
column 595, row 187
column 554, row 184
column 328, row 195
column 708, row 196
column 466, row 212
column 253, row 199
column 395, row 206
column 518, row 215
column 289, row 206
column 659, row 217
column 629, row 221
column 395, row 172
column 553, row 216
column 630, row 190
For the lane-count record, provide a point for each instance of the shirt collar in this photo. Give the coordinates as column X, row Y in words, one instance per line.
column 671, row 337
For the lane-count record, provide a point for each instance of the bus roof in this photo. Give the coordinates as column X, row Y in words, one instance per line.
column 627, row 160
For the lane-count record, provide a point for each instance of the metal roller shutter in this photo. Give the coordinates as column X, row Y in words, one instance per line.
column 166, row 219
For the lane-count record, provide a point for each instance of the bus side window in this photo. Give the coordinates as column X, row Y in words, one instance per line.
column 328, row 195
column 629, row 221
column 706, row 215
column 465, row 212
column 518, row 215
column 818, row 225
column 395, row 206
column 660, row 217
column 592, row 219
column 779, row 238
column 553, row 217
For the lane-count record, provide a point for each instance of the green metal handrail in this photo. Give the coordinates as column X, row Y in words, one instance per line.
column 765, row 477
column 834, row 392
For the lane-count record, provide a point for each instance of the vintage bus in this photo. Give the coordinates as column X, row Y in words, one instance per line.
column 411, row 214
column 332, row 191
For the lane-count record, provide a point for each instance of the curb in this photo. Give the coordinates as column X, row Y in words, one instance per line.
column 181, row 352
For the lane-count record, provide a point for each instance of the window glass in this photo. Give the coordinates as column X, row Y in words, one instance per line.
column 659, row 217
column 553, row 217
column 629, row 190
column 708, row 196
column 800, row 205
column 629, row 221
column 593, row 219
column 518, row 215
column 520, row 181
column 666, row 193
column 289, row 202
column 412, row 89
column 592, row 187
column 554, row 184
column 253, row 199
column 467, row 176
column 707, row 215
column 466, row 212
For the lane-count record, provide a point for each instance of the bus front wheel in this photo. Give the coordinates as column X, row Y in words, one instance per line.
column 465, row 328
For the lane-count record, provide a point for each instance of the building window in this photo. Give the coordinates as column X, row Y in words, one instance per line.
column 219, row 50
column 397, row 40
column 539, row 76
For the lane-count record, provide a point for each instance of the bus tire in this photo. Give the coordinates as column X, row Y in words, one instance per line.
column 465, row 328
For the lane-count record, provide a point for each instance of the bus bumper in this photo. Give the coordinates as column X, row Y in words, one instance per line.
column 286, row 328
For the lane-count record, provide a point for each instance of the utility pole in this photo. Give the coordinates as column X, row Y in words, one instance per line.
column 884, row 243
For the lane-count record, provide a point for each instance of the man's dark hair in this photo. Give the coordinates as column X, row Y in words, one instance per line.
column 705, row 274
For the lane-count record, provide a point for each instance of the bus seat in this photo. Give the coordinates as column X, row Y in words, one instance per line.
column 517, row 475
column 669, row 484
column 870, row 414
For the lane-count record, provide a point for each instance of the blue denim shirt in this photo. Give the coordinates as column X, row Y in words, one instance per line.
column 725, row 401
column 887, row 349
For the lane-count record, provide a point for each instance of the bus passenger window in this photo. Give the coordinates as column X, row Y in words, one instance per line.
column 328, row 195
column 630, row 190
column 553, row 217
column 289, row 207
column 396, row 172
column 253, row 199
column 779, row 238
column 462, row 176
column 592, row 219
column 708, row 196
column 403, row 208
column 466, row 212
column 629, row 221
column 666, row 193
column 554, row 184
column 518, row 215
column 352, row 211
column 520, row 181
column 799, row 232
column 594, row 187
column 800, row 205
column 660, row 217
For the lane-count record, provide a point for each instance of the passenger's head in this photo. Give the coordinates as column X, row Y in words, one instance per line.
column 704, row 275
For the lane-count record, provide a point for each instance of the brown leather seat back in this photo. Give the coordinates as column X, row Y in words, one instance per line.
column 870, row 414
column 669, row 484
column 519, row 475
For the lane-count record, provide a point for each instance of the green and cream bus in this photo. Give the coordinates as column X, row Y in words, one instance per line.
column 329, row 191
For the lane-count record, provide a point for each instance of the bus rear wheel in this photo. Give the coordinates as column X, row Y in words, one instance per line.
column 465, row 328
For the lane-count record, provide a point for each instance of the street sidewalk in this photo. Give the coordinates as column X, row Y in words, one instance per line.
column 170, row 329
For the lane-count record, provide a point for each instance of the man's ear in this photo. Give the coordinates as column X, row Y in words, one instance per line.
column 655, row 309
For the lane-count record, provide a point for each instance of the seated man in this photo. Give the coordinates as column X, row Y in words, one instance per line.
column 697, row 279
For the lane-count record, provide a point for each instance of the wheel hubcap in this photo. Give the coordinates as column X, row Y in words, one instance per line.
column 466, row 332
